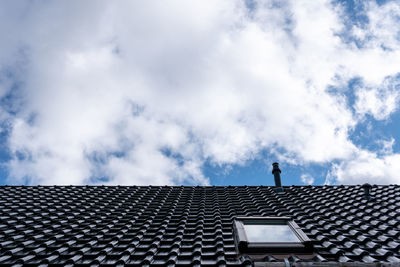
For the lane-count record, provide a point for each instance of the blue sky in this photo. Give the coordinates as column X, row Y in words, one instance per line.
column 206, row 93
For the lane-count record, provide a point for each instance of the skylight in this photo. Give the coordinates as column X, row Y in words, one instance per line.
column 270, row 234
column 274, row 232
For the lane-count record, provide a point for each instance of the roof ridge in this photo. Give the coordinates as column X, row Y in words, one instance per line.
column 203, row 186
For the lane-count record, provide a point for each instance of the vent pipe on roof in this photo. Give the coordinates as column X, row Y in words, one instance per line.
column 367, row 191
column 277, row 177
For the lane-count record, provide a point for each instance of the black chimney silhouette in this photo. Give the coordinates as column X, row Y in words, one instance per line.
column 367, row 191
column 277, row 177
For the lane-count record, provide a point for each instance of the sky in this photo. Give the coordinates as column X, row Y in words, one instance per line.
column 199, row 92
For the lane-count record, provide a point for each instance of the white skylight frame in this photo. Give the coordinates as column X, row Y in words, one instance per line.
column 244, row 245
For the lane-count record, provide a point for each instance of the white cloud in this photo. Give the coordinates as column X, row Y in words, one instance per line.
column 387, row 146
column 380, row 101
column 307, row 179
column 367, row 167
column 381, row 29
column 145, row 93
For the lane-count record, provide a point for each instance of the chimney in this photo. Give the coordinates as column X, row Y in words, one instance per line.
column 277, row 177
column 367, row 191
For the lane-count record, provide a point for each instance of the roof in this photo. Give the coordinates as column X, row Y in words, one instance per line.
column 183, row 225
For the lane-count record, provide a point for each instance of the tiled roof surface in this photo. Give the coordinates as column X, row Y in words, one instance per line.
column 150, row 225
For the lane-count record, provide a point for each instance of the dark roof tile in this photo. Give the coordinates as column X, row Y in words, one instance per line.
column 183, row 225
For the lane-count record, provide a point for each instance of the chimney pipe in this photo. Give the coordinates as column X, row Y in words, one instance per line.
column 367, row 191
column 277, row 177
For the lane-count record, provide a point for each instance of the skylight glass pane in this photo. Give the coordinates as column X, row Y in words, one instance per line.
column 270, row 233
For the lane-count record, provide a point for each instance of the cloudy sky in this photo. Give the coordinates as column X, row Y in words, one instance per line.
column 199, row 92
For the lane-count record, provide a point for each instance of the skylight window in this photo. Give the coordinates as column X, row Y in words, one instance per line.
column 270, row 234
column 274, row 232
